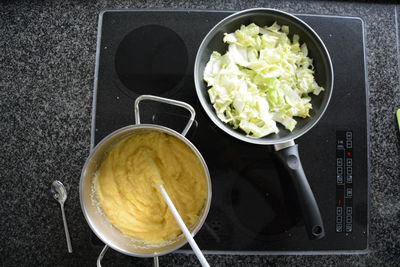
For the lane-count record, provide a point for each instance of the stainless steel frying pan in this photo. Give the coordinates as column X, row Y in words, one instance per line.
column 285, row 148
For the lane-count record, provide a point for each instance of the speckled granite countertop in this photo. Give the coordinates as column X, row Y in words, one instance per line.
column 47, row 65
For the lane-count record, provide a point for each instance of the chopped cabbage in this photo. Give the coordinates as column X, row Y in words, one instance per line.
column 263, row 78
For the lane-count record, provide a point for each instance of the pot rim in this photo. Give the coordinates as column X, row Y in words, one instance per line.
column 128, row 129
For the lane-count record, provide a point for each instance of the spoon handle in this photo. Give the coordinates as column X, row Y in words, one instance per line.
column 184, row 229
column 66, row 229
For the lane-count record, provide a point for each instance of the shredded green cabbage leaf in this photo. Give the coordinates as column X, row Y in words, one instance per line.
column 263, row 78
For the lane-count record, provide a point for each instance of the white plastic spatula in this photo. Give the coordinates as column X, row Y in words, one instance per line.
column 183, row 227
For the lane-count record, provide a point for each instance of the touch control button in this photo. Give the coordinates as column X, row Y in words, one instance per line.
column 349, row 179
column 349, row 192
column 349, row 162
column 349, row 144
column 339, row 210
column 349, row 227
column 339, row 228
column 349, row 210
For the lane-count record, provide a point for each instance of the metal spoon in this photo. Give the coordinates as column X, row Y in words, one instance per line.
column 60, row 194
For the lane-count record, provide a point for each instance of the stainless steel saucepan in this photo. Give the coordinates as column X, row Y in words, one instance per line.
column 97, row 221
column 285, row 148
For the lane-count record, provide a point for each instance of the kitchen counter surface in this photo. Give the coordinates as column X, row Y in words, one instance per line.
column 47, row 69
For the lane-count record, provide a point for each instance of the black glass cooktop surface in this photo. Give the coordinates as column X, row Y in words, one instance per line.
column 254, row 208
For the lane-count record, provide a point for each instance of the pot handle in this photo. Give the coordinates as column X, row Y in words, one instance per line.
column 101, row 255
column 104, row 250
column 288, row 154
column 167, row 101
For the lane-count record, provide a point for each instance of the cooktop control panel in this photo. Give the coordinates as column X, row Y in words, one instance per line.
column 344, row 181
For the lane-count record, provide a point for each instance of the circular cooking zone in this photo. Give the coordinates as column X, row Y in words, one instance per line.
column 260, row 201
column 151, row 59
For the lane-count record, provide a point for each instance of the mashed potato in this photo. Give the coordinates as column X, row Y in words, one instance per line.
column 128, row 192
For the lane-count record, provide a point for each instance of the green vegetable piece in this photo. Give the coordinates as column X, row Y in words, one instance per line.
column 398, row 118
column 262, row 79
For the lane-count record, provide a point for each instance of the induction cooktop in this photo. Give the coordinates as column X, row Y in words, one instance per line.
column 254, row 207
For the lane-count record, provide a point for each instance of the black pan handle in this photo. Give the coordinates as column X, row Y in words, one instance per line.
column 289, row 156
